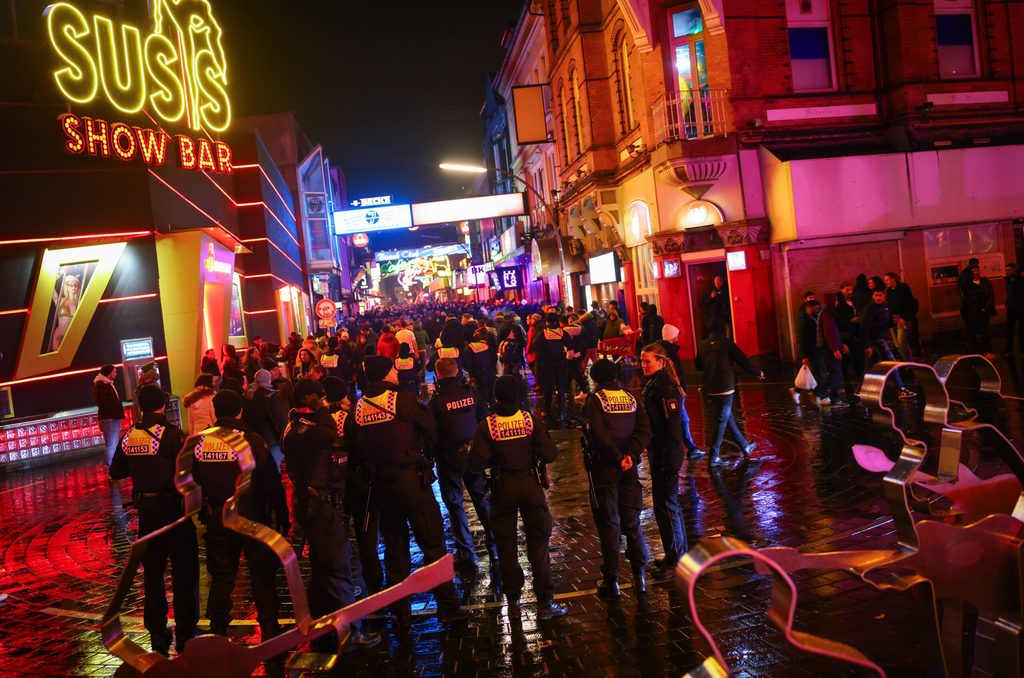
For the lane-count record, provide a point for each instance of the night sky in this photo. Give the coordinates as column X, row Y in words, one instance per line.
column 388, row 88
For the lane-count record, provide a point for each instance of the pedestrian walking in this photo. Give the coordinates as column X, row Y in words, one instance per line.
column 716, row 357
column 616, row 432
column 311, row 449
column 265, row 414
column 408, row 367
column 148, row 454
column 109, row 410
column 457, row 409
column 199, row 403
column 806, row 345
column 903, row 307
column 875, row 323
column 389, row 431
column 828, row 355
column 516, row 446
column 979, row 305
column 481, row 362
column 264, row 503
column 848, row 318
column 550, row 344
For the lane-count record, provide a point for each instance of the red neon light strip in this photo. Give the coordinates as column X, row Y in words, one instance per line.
column 71, row 373
column 269, row 310
column 14, row 311
column 182, row 196
column 133, row 298
column 266, row 275
column 255, row 204
column 26, row 241
column 274, row 245
column 267, row 177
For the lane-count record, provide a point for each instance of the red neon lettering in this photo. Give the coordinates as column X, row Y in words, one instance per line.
column 153, row 145
column 118, row 132
column 206, row 156
column 71, row 124
column 186, row 153
column 223, row 158
column 97, row 134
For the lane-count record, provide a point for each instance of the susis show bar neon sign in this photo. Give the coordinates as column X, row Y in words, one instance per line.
column 101, row 139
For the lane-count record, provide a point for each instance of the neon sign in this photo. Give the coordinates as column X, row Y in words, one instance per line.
column 177, row 71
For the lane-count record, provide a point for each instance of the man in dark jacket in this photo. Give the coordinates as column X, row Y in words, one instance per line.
column 875, row 321
column 310, row 444
column 715, row 304
column 264, row 503
column 457, row 410
column 650, row 325
column 848, row 320
column 148, row 454
column 979, row 300
column 903, row 307
column 828, row 355
column 715, row 359
column 806, row 340
column 109, row 410
column 264, row 414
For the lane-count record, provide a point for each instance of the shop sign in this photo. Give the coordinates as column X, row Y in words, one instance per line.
column 509, row 278
column 327, row 323
column 326, row 309
column 360, row 240
column 388, row 217
column 177, row 73
column 419, row 253
column 375, row 201
column 214, row 265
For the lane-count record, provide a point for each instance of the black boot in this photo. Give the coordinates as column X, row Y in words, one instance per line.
column 609, row 588
column 161, row 642
column 696, row 454
column 551, row 609
column 639, row 580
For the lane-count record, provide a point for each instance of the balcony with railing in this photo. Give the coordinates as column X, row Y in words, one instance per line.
column 698, row 115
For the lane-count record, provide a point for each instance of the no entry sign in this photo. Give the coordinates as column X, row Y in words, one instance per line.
column 326, row 309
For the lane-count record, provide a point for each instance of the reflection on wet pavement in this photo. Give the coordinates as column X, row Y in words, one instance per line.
column 66, row 531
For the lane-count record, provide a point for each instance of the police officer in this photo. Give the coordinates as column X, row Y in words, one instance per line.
column 617, row 432
column 357, row 487
column 310, row 445
column 148, row 453
column 515, row 446
column 481, row 361
column 457, row 410
column 389, row 431
column 550, row 345
column 216, row 470
column 662, row 396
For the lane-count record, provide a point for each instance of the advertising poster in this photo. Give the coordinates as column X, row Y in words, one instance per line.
column 72, row 281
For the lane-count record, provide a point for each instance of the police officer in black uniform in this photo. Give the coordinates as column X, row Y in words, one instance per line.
column 516, row 446
column 481, row 361
column 148, row 453
column 457, row 411
column 617, row 432
column 389, row 430
column 550, row 345
column 311, row 445
column 216, row 470
column 357, row 487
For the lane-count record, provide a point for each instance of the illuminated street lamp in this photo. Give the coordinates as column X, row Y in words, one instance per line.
column 552, row 214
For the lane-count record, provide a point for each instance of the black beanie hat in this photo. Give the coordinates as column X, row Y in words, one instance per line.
column 605, row 371
column 335, row 389
column 227, row 404
column 151, row 398
column 551, row 318
column 269, row 364
column 304, row 387
column 376, row 367
column 506, row 390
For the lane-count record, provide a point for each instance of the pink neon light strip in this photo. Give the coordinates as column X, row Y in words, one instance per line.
column 267, row 177
column 269, row 310
column 14, row 311
column 182, row 196
column 70, row 373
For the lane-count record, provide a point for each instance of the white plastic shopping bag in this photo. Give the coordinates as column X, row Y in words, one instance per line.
column 805, row 379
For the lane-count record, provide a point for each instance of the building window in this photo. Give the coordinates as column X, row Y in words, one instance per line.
column 954, row 35
column 577, row 110
column 624, row 80
column 566, row 147
column 810, row 45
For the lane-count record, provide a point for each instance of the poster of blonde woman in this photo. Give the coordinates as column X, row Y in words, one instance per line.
column 72, row 279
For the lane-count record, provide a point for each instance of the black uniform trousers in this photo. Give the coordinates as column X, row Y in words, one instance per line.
column 518, row 493
column 366, row 524
column 224, row 549
column 620, row 500
column 181, row 547
column 404, row 499
column 668, row 514
column 330, row 559
column 452, row 482
column 551, row 377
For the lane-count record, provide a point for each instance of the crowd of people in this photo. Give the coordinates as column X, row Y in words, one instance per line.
column 361, row 433
column 876, row 318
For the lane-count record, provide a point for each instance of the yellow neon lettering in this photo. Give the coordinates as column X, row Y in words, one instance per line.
column 122, row 75
column 72, row 124
column 77, row 80
column 215, row 111
column 168, row 101
column 152, row 145
column 206, row 156
column 223, row 158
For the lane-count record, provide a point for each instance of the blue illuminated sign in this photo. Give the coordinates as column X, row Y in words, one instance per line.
column 382, row 218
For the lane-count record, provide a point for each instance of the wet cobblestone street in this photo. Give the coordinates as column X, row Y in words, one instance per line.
column 65, row 534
